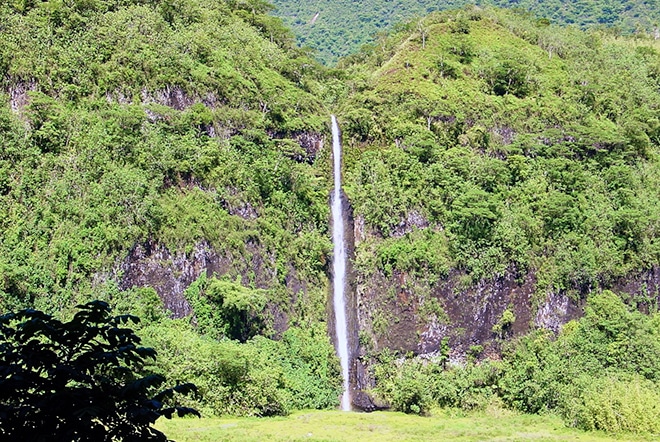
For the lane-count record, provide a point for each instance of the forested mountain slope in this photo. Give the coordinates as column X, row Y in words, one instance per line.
column 171, row 158
column 336, row 28
column 483, row 146
column 503, row 174
column 173, row 149
column 120, row 121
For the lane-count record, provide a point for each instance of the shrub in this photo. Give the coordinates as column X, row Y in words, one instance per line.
column 468, row 388
column 226, row 308
column 403, row 383
column 533, row 374
column 504, row 323
column 507, row 72
column 410, row 392
column 615, row 406
column 261, row 377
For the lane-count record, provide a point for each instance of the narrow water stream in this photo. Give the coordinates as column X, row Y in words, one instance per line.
column 339, row 267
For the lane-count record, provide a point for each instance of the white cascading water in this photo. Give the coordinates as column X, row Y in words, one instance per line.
column 339, row 267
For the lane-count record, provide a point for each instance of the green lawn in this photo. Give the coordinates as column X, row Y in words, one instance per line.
column 381, row 427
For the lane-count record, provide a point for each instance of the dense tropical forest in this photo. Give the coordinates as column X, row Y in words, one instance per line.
column 171, row 158
column 336, row 28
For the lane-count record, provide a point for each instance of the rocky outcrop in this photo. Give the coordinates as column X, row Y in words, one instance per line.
column 177, row 98
column 555, row 310
column 413, row 220
column 151, row 264
column 308, row 145
column 403, row 313
column 235, row 205
column 311, row 143
column 18, row 94
column 643, row 288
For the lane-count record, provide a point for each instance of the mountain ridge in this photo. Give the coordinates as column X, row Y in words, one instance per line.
column 341, row 27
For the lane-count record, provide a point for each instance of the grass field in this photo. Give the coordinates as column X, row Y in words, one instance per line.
column 495, row 425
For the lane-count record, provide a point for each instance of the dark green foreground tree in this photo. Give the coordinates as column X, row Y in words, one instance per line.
column 79, row 380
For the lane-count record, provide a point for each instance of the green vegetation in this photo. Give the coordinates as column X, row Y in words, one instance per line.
column 504, row 143
column 166, row 122
column 123, row 123
column 79, row 380
column 478, row 144
column 343, row 26
column 261, row 377
column 224, row 308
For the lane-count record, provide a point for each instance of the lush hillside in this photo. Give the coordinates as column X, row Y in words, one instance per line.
column 341, row 27
column 509, row 142
column 502, row 174
column 483, row 147
column 136, row 134
column 172, row 158
column 121, row 121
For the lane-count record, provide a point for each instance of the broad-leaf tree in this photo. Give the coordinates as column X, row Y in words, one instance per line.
column 79, row 380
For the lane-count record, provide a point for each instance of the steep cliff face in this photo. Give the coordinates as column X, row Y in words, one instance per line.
column 399, row 312
column 18, row 94
column 403, row 313
column 406, row 314
column 643, row 288
column 171, row 273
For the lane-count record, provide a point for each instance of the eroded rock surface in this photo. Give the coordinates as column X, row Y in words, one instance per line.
column 394, row 310
column 151, row 264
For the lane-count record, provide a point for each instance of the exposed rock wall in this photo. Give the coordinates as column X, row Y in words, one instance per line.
column 18, row 94
column 400, row 312
column 643, row 288
column 152, row 265
column 406, row 314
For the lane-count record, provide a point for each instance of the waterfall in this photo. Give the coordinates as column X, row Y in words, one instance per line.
column 339, row 268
